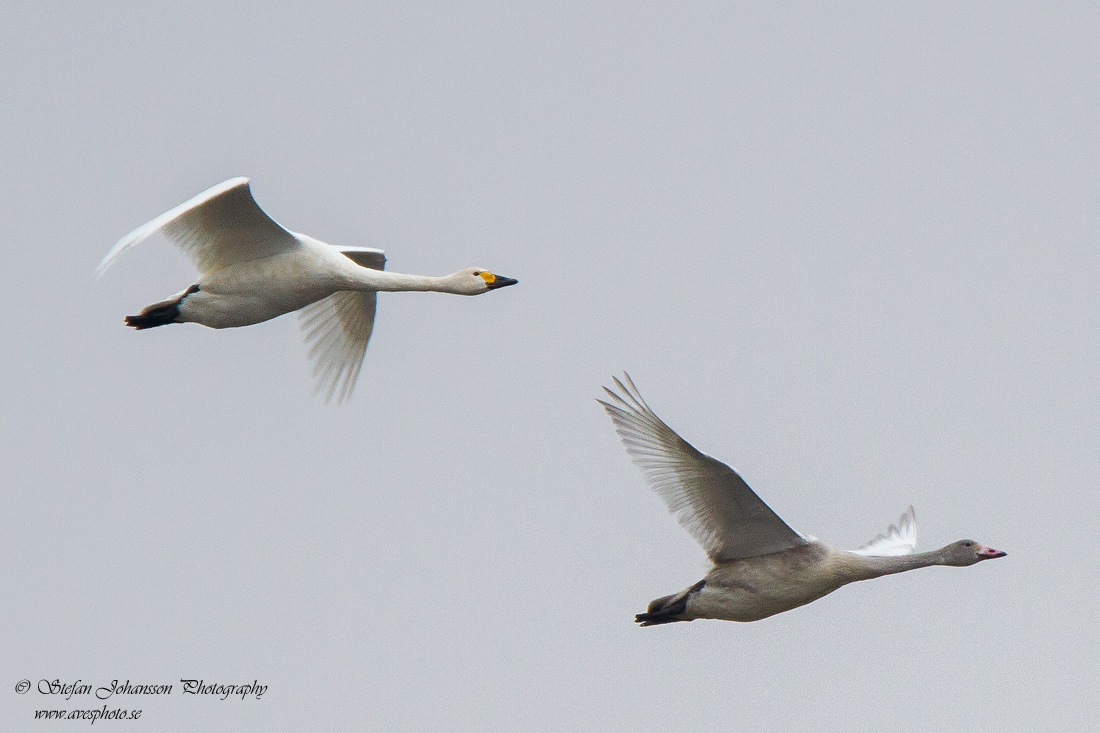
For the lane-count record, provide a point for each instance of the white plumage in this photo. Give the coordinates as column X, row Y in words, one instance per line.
column 252, row 269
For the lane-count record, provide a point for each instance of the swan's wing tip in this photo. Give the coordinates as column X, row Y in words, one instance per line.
column 224, row 186
column 898, row 539
column 137, row 236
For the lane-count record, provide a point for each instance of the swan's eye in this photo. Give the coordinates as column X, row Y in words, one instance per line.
column 968, row 544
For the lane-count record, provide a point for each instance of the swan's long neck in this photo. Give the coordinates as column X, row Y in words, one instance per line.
column 393, row 282
column 865, row 567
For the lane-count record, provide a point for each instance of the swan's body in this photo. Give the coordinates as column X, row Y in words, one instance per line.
column 252, row 269
column 761, row 566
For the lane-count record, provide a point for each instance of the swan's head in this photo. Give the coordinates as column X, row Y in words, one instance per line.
column 478, row 280
column 968, row 552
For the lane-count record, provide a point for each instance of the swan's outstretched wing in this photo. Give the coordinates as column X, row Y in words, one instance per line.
column 709, row 499
column 338, row 328
column 221, row 226
column 899, row 539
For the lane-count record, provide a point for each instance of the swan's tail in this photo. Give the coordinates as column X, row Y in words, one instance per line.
column 668, row 609
column 160, row 314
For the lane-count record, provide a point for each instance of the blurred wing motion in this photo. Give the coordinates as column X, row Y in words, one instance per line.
column 338, row 328
column 221, row 226
column 899, row 539
column 708, row 498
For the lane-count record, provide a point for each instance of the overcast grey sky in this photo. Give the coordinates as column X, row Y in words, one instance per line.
column 851, row 249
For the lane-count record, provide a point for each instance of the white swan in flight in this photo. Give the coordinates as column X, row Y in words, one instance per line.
column 761, row 566
column 251, row 269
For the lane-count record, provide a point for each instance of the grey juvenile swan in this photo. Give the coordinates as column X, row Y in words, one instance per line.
column 251, row 269
column 761, row 566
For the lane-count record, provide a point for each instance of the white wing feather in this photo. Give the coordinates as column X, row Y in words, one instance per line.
column 370, row 257
column 899, row 539
column 338, row 329
column 221, row 226
column 709, row 499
